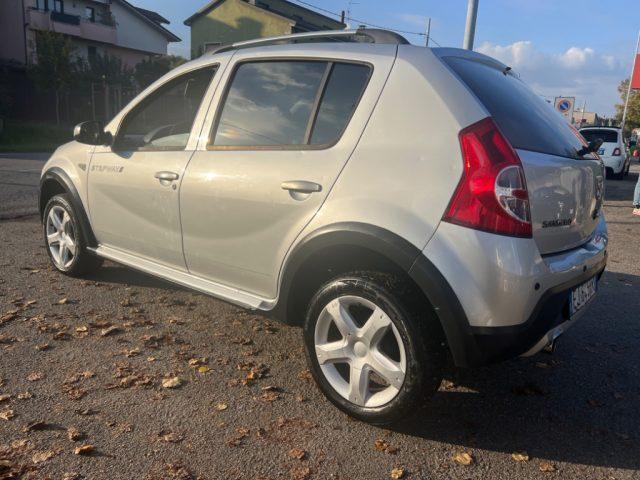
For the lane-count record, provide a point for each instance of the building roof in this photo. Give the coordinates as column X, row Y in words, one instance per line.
column 279, row 8
column 152, row 18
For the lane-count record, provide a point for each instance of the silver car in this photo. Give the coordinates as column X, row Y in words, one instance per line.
column 404, row 205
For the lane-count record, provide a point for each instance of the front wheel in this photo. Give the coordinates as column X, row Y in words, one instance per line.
column 373, row 348
column 63, row 237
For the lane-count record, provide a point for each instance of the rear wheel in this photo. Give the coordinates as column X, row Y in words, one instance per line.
column 63, row 237
column 373, row 351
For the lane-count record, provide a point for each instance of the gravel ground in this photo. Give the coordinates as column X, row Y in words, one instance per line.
column 86, row 362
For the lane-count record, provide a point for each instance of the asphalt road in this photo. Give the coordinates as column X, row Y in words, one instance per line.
column 72, row 380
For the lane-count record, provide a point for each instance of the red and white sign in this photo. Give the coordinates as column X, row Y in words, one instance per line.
column 635, row 76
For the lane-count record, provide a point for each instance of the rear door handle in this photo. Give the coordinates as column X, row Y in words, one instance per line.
column 166, row 176
column 301, row 186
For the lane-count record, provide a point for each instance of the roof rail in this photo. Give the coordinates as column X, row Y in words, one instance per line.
column 374, row 35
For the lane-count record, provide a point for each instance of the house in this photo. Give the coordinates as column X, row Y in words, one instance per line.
column 115, row 27
column 221, row 22
column 583, row 119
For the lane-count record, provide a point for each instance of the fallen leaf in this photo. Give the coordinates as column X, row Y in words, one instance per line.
column 86, row 449
column 397, row 473
column 42, row 347
column 25, row 395
column 221, row 406
column 594, row 403
column 300, row 473
column 4, row 398
column 297, row 453
column 7, row 415
column 74, row 434
column 520, row 456
column 82, row 329
column 40, row 457
column 171, row 437
column 197, row 362
column 110, row 330
column 63, row 301
column 173, row 382
column 547, row 467
column 383, row 446
column 463, row 458
column 204, row 369
column 269, row 396
column 35, row 376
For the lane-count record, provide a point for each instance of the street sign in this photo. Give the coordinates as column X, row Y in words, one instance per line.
column 564, row 105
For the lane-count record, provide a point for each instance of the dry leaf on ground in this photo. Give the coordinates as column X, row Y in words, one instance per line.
column 547, row 467
column 40, row 457
column 297, row 453
column 463, row 458
column 397, row 473
column 520, row 456
column 7, row 415
column 173, row 382
column 383, row 446
column 84, row 449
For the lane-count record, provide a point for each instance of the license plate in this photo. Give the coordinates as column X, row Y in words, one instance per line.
column 601, row 151
column 581, row 295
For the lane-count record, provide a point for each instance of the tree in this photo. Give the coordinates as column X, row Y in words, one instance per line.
column 54, row 68
column 633, row 110
column 150, row 69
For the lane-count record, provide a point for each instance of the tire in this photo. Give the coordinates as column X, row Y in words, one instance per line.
column 67, row 251
column 407, row 321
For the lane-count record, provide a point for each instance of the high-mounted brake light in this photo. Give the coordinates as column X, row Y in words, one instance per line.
column 616, row 152
column 492, row 194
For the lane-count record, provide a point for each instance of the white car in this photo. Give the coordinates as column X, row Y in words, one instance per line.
column 612, row 151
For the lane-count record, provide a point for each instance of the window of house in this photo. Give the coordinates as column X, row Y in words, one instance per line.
column 92, row 51
column 269, row 103
column 42, row 5
column 58, row 6
column 90, row 14
column 164, row 119
column 288, row 103
column 341, row 95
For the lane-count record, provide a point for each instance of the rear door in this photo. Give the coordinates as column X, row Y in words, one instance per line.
column 275, row 141
column 565, row 189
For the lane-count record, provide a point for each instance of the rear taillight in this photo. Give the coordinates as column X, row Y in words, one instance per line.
column 616, row 152
column 492, row 193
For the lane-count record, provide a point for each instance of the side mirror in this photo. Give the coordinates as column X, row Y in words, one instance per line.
column 594, row 146
column 91, row 133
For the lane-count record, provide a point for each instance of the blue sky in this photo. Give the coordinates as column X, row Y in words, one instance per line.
column 580, row 48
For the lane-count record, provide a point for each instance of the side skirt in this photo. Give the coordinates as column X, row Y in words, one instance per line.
column 229, row 294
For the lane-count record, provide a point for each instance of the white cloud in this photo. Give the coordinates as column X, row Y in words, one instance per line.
column 579, row 71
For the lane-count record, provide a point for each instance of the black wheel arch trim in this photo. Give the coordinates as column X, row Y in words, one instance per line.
column 404, row 255
column 59, row 176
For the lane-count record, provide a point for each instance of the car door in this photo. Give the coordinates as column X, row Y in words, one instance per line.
column 281, row 131
column 133, row 186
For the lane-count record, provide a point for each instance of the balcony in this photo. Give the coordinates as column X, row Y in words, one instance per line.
column 73, row 25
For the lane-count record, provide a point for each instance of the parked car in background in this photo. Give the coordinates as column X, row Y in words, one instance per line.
column 404, row 205
column 613, row 151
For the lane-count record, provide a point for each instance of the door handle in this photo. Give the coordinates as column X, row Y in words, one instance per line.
column 301, row 186
column 166, row 176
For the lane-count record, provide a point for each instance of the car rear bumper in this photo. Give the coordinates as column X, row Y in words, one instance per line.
column 615, row 164
column 497, row 297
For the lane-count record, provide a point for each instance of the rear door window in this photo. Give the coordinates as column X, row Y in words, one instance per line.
column 607, row 136
column 525, row 118
column 289, row 104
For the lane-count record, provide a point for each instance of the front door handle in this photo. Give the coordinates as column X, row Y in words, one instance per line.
column 301, row 186
column 166, row 177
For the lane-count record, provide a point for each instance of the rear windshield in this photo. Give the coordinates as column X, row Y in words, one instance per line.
column 526, row 119
column 607, row 136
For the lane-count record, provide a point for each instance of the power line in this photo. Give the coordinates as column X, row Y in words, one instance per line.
column 368, row 24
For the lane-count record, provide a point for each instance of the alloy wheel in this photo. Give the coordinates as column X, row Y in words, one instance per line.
column 61, row 237
column 360, row 351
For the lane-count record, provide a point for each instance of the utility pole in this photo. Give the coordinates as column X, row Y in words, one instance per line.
column 470, row 28
column 342, row 17
column 428, row 30
column 626, row 103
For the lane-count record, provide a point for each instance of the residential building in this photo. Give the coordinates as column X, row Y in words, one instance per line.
column 114, row 27
column 221, row 22
column 584, row 119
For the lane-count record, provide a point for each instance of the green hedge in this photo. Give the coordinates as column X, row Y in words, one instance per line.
column 33, row 137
